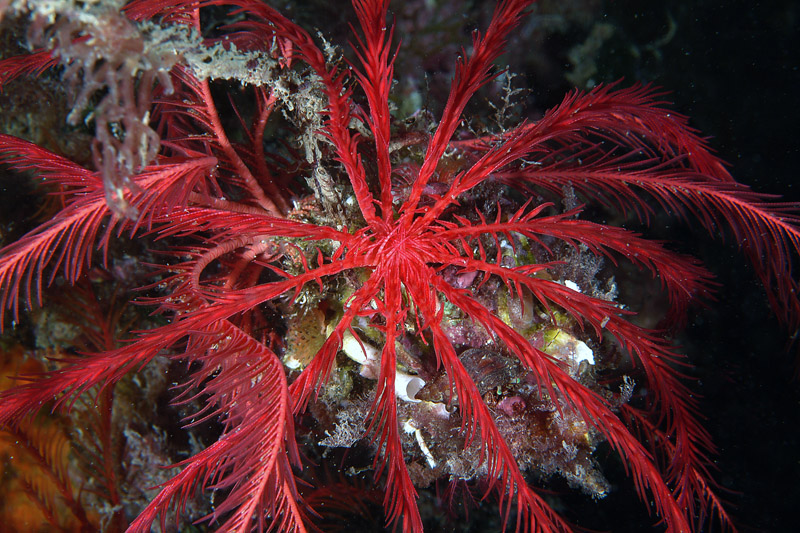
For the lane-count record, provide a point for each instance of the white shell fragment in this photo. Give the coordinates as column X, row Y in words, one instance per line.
column 406, row 386
column 409, row 427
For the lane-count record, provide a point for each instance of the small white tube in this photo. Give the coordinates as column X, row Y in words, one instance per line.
column 407, row 386
column 409, row 427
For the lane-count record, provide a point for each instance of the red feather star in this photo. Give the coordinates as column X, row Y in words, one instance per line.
column 422, row 281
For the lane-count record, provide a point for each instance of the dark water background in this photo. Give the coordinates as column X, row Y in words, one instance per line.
column 734, row 68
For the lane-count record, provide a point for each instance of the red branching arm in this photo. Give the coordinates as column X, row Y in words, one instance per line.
column 337, row 130
column 167, row 187
column 68, row 240
column 683, row 277
column 79, row 375
column 471, row 74
column 253, row 457
column 652, row 150
column 533, row 514
column 693, row 484
column 32, row 64
column 265, row 102
column 672, row 400
column 204, row 111
column 376, row 80
column 68, row 383
column 567, row 146
column 225, row 223
column 515, row 145
column 318, row 371
column 633, row 117
column 400, row 497
column 24, row 155
column 271, row 26
column 655, row 355
column 769, row 232
column 646, row 142
column 587, row 403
